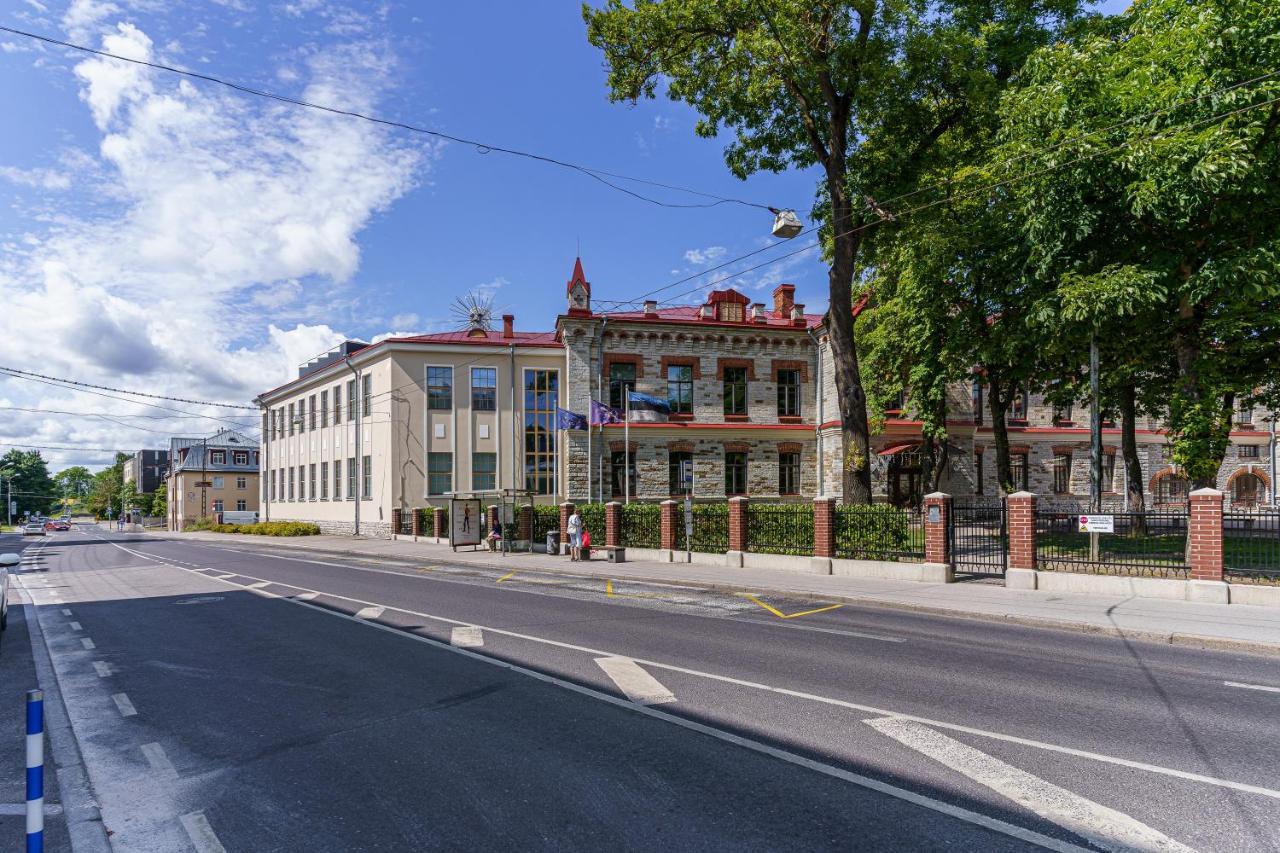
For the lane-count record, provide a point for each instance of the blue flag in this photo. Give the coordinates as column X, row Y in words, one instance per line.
column 566, row 419
column 646, row 409
column 602, row 414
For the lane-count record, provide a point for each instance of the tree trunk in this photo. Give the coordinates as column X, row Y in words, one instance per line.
column 1129, row 452
column 998, row 404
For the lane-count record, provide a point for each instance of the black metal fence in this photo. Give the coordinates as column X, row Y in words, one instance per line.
column 879, row 532
column 1144, row 544
column 406, row 522
column 978, row 536
column 641, row 525
column 780, row 528
column 1251, row 546
column 710, row 529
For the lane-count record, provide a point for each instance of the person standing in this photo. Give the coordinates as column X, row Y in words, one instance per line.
column 575, row 535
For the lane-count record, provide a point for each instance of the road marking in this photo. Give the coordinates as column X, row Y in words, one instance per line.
column 259, row 585
column 369, row 612
column 160, row 763
column 19, row 809
column 307, row 596
column 610, row 593
column 755, row 685
column 507, row 576
column 466, row 636
column 125, row 706
column 1104, row 827
column 87, row 643
column 223, row 577
column 639, row 686
column 66, row 611
column 103, row 668
column 1252, row 686
column 776, row 612
column 201, row 833
column 75, row 626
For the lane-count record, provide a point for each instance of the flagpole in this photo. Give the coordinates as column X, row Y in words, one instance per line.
column 590, row 413
column 626, row 447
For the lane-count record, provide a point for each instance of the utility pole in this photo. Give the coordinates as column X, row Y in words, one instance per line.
column 1095, row 442
column 204, row 461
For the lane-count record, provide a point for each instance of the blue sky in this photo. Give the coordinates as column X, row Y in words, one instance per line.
column 175, row 237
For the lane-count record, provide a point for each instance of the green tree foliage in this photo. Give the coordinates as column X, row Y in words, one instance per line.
column 105, row 492
column 27, row 479
column 868, row 90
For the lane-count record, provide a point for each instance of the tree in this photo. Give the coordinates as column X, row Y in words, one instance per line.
column 73, row 483
column 867, row 90
column 160, row 503
column 105, row 491
column 29, row 483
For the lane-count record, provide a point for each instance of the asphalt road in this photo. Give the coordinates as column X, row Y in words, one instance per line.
column 258, row 699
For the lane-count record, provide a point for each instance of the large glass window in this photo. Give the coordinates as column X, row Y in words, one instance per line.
column 484, row 472
column 735, row 390
column 240, row 457
column 218, row 457
column 367, row 477
column 1061, row 473
column 440, row 388
column 788, row 395
column 680, row 389
column 622, row 379
column 675, row 459
column 789, row 473
column 366, row 391
column 541, row 393
column 1248, row 451
column 622, row 465
column 1172, row 489
column 439, row 473
column 484, row 389
column 735, row 473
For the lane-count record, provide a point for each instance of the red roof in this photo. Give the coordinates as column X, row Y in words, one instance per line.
column 692, row 315
column 520, row 339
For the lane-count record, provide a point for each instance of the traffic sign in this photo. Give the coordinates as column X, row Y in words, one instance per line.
column 1097, row 524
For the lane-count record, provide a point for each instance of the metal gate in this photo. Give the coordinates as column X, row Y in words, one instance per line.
column 978, row 537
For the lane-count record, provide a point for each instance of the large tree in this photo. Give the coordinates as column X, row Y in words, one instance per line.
column 27, row 481
column 865, row 90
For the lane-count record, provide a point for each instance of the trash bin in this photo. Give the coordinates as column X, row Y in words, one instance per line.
column 553, row 541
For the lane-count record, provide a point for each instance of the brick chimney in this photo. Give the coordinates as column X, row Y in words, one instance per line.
column 508, row 325
column 784, row 299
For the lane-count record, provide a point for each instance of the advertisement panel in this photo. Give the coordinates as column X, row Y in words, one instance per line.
column 464, row 521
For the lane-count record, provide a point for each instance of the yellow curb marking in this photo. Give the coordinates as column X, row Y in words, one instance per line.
column 425, row 569
column 507, row 576
column 608, row 591
column 776, row 612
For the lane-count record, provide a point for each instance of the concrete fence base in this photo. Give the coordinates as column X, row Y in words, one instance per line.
column 1171, row 589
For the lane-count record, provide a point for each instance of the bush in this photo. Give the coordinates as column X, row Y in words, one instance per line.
column 262, row 528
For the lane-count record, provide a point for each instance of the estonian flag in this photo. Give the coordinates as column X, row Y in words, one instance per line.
column 646, row 409
column 566, row 419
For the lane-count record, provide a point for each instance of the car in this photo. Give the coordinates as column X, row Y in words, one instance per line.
column 33, row 528
column 6, row 562
column 61, row 525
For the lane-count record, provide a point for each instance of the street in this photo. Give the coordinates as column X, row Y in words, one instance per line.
column 240, row 697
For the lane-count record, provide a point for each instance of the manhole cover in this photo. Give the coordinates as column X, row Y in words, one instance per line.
column 200, row 599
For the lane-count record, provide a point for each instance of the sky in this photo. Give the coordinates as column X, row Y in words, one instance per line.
column 175, row 237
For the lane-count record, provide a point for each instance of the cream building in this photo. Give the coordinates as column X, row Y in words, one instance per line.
column 211, row 475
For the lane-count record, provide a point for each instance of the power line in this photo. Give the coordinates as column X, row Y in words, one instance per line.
column 105, row 414
column 480, row 147
column 127, row 391
column 62, row 447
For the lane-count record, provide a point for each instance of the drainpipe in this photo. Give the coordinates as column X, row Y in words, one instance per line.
column 1272, row 445
column 817, row 426
column 359, row 455
column 265, row 463
column 599, row 392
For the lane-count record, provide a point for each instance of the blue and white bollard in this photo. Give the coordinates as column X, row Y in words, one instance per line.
column 35, row 771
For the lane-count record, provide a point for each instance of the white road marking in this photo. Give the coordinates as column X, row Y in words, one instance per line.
column 201, row 833
column 638, row 685
column 19, row 809
column 223, row 577
column 783, row 691
column 1252, row 686
column 369, row 612
column 103, row 668
column 1104, row 827
column 66, row 611
column 87, row 643
column 259, row 585
column 307, row 596
column 160, row 763
column 466, row 636
column 125, row 706
column 75, row 626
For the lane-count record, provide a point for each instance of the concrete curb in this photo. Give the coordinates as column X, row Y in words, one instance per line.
column 1164, row 638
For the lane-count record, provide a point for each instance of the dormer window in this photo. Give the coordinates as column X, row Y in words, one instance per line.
column 729, row 312
column 218, row 457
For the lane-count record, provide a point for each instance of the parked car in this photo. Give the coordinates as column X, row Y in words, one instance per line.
column 33, row 528
column 60, row 525
column 6, row 560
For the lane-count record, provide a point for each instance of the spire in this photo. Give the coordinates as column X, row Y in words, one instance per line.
column 579, row 291
column 578, row 276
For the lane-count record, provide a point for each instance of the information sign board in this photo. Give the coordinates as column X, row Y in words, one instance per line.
column 1097, row 524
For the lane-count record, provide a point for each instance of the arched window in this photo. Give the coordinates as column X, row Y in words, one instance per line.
column 1172, row 489
column 1246, row 490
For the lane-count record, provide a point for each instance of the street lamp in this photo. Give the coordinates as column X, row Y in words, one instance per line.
column 785, row 223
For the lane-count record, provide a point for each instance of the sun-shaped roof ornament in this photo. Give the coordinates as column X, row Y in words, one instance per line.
column 474, row 313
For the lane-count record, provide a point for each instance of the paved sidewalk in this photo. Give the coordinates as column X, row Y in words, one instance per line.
column 1238, row 627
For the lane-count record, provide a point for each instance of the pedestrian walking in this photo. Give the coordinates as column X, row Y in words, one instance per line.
column 575, row 536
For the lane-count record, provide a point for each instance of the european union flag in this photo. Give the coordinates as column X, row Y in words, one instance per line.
column 566, row 419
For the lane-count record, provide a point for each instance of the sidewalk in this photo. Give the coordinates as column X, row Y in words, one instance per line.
column 1234, row 627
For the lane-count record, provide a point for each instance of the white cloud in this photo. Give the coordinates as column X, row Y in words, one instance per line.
column 403, row 321
column 709, row 255
column 45, row 179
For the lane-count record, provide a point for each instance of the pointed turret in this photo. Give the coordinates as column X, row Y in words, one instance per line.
column 579, row 291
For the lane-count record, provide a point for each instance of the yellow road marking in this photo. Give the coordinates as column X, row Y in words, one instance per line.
column 507, row 576
column 425, row 569
column 608, row 591
column 776, row 612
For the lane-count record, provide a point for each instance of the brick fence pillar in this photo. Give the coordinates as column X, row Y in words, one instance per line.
column 397, row 516
column 824, row 527
column 739, row 534
column 669, row 521
column 613, row 524
column 937, row 516
column 1022, row 530
column 1204, row 535
column 437, row 522
column 416, row 522
column 525, row 532
column 566, row 510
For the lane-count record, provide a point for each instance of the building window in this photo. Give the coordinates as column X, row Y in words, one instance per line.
column 975, row 394
column 440, row 388
column 240, row 457
column 302, row 482
column 1244, row 412
column 255, row 457
column 729, row 312
column 1108, row 472
column 367, row 477
column 789, row 473
column 620, row 462
column 242, row 505
column 271, row 486
column 1248, row 451
column 541, row 392
column 622, row 379
column 735, row 472
column 1061, row 473
column 291, row 424
column 366, row 391
column 324, row 481
column 680, row 389
column 735, row 390
column 242, row 482
column 302, row 415
column 439, row 473
column 312, row 421
column 977, row 469
column 1018, row 469
column 337, row 479
column 1062, row 414
column 1018, row 406
column 266, row 435
column 484, row 472
column 217, row 505
column 311, row 481
column 1246, row 490
column 788, row 395
column 218, row 457
column 290, row 482
column 351, row 399
column 675, row 459
column 337, row 404
column 1172, row 489
column 324, row 408
column 351, row 478
column 219, row 482
column 484, row 389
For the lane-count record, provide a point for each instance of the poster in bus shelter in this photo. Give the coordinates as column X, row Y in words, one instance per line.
column 464, row 522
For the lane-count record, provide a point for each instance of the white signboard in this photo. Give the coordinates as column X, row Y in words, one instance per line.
column 1097, row 524
column 464, row 522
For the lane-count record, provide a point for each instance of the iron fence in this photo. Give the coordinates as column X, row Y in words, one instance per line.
column 1251, row 546
column 780, row 528
column 642, row 525
column 879, row 532
column 406, row 522
column 1145, row 544
column 978, row 537
column 710, row 529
